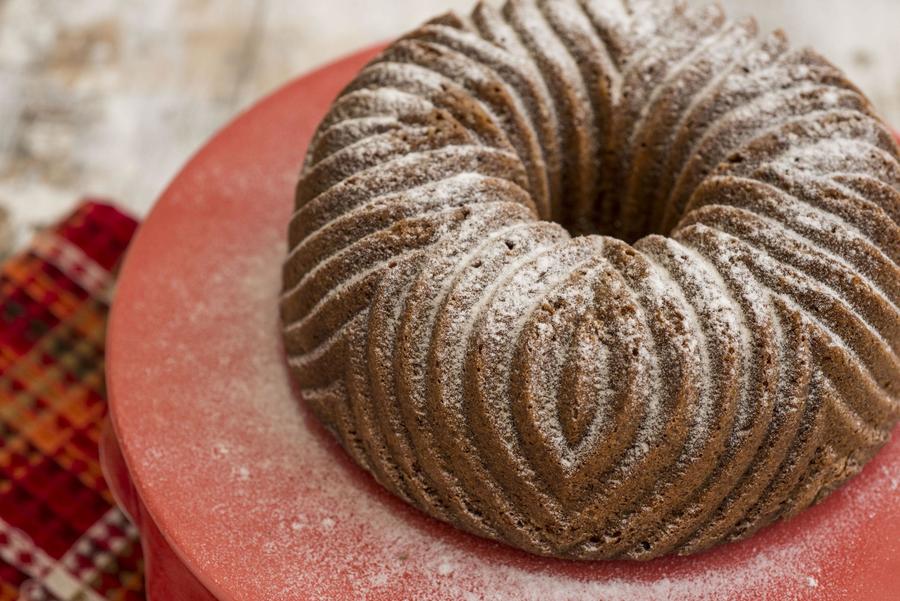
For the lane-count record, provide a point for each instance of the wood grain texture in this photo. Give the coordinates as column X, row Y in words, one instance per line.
column 112, row 97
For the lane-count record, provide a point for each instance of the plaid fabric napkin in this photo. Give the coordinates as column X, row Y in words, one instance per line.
column 61, row 536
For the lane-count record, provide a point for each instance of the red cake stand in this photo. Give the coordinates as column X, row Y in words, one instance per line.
column 240, row 495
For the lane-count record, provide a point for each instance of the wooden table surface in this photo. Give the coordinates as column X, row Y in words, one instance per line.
column 110, row 97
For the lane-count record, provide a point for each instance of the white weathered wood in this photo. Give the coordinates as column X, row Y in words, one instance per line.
column 110, row 98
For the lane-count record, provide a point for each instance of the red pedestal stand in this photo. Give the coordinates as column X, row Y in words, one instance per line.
column 240, row 495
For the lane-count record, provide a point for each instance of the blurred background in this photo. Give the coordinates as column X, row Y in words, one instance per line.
column 110, row 97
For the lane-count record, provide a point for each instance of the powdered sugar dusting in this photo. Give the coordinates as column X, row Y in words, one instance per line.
column 228, row 460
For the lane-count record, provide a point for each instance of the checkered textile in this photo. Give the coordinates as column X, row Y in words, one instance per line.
column 61, row 536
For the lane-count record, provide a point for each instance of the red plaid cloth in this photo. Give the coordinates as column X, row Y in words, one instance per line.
column 61, row 535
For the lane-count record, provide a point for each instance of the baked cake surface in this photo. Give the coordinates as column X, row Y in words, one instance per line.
column 599, row 278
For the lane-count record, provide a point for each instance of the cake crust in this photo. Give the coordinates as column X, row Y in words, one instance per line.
column 599, row 278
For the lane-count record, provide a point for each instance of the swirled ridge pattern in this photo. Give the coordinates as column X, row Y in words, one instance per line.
column 599, row 278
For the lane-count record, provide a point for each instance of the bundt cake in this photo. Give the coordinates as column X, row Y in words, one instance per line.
column 599, row 278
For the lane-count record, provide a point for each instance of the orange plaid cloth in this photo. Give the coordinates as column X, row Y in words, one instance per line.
column 61, row 535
